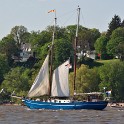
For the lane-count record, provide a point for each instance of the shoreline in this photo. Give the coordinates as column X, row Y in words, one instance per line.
column 9, row 104
column 121, row 105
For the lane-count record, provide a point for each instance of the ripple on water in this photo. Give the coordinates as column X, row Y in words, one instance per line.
column 23, row 115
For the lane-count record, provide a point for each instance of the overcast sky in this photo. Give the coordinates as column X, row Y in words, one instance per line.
column 33, row 14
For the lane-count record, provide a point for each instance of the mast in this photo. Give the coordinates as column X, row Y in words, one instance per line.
column 75, row 48
column 51, row 53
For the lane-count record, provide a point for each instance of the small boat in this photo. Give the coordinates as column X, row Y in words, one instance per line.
column 57, row 88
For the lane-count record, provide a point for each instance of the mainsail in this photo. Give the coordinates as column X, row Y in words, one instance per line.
column 60, row 87
column 41, row 83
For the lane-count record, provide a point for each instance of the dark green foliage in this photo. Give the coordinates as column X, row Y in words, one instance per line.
column 115, row 44
column 100, row 46
column 106, row 56
column 5, row 97
column 122, row 24
column 17, row 80
column 30, row 63
column 8, row 47
column 87, row 80
column 115, row 23
column 62, row 51
column 111, row 75
column 4, row 67
column 120, row 50
column 85, row 60
column 20, row 34
column 94, row 35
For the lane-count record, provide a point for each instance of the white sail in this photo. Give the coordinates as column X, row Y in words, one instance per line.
column 60, row 87
column 41, row 83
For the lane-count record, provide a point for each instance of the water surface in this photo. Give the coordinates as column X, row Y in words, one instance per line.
column 22, row 115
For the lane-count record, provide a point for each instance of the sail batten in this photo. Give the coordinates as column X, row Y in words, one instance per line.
column 41, row 83
column 60, row 87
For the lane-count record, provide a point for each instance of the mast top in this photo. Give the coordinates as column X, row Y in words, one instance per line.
column 78, row 19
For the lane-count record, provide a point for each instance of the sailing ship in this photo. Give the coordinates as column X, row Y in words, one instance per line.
column 57, row 87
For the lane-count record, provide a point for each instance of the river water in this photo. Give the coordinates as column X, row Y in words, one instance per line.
column 22, row 115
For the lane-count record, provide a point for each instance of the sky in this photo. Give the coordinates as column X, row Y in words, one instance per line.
column 33, row 14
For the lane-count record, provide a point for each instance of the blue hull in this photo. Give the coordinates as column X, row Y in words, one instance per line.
column 65, row 106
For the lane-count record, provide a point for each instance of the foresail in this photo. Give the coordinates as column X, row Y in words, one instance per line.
column 41, row 83
column 60, row 86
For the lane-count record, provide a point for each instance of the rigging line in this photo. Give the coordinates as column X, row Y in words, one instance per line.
column 82, row 18
column 69, row 18
column 67, row 13
column 63, row 15
column 51, row 23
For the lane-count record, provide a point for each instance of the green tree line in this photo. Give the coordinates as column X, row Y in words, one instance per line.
column 91, row 75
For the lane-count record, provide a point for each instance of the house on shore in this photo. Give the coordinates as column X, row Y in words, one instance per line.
column 24, row 54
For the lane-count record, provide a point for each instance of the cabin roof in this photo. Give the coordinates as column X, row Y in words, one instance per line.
column 91, row 93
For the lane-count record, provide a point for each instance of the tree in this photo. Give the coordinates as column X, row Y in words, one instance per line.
column 100, row 45
column 4, row 67
column 18, row 33
column 70, row 32
column 122, row 24
column 94, row 35
column 115, row 23
column 63, row 50
column 60, row 32
column 120, row 50
column 114, row 45
column 40, row 41
column 119, row 32
column 87, row 80
column 87, row 38
column 8, row 47
column 17, row 80
column 43, row 51
column 111, row 75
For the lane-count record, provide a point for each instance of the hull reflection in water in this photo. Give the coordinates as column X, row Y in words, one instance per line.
column 65, row 106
